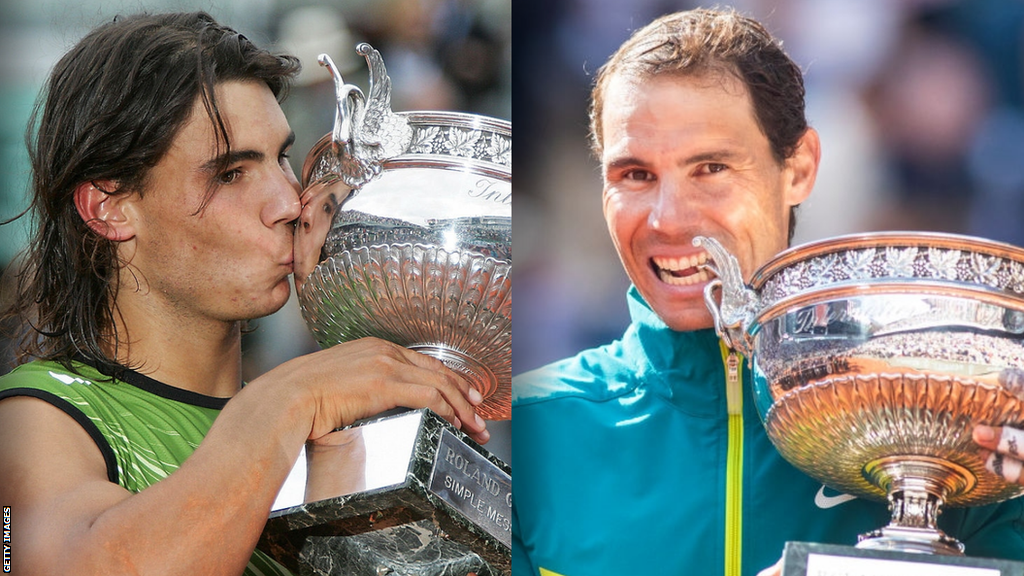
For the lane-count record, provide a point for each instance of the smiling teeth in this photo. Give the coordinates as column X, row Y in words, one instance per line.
column 697, row 278
column 682, row 271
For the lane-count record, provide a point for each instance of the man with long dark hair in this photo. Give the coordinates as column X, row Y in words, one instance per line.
column 166, row 207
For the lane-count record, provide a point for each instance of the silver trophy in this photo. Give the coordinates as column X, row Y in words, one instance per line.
column 414, row 246
column 873, row 357
column 420, row 251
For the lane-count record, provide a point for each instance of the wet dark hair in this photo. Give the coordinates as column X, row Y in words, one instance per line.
column 109, row 112
column 705, row 41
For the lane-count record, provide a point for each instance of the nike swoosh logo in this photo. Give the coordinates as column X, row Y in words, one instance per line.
column 825, row 502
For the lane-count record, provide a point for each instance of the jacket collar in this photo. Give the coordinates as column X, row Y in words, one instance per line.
column 685, row 368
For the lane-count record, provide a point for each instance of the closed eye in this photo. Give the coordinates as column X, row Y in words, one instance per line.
column 286, row 147
column 282, row 161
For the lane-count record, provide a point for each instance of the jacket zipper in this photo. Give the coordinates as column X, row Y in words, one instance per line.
column 734, row 463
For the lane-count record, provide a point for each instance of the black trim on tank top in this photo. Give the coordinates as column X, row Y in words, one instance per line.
column 90, row 427
column 153, row 386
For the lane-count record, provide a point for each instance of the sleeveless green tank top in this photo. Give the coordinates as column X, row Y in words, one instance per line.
column 145, row 429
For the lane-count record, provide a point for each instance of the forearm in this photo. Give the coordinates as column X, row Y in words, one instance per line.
column 206, row 517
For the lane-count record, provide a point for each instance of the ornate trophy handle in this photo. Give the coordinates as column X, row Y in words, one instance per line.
column 366, row 131
column 349, row 98
column 735, row 313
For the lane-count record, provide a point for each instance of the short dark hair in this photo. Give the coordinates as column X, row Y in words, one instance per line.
column 109, row 112
column 700, row 41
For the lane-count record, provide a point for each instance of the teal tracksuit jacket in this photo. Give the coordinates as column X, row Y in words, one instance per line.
column 645, row 457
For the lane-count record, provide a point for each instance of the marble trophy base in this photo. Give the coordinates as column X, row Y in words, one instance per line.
column 812, row 559
column 410, row 549
column 404, row 495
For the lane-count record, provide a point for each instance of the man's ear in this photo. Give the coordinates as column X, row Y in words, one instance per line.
column 103, row 209
column 803, row 167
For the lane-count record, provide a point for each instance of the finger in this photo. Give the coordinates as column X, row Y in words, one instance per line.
column 1005, row 466
column 416, row 393
column 420, row 369
column 1005, row 440
column 986, row 436
column 1011, row 442
column 425, row 361
column 455, row 397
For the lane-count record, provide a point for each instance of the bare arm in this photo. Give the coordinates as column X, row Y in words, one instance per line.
column 206, row 517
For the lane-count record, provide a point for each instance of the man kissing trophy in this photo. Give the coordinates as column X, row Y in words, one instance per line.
column 405, row 235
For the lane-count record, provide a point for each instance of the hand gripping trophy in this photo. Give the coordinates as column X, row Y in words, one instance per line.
column 416, row 248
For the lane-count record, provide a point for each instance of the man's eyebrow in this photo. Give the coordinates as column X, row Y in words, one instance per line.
column 215, row 164
column 712, row 156
column 624, row 162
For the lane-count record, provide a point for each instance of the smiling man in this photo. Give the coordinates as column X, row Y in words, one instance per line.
column 166, row 209
column 684, row 155
column 647, row 455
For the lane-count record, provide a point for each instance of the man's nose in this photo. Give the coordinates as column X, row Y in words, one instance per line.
column 674, row 205
column 283, row 204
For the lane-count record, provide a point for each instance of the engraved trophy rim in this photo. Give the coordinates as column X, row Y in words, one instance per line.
column 431, row 118
column 405, row 235
column 846, row 242
column 1004, row 286
column 418, row 252
column 873, row 355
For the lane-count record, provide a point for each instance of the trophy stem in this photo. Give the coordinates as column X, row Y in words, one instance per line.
column 916, row 486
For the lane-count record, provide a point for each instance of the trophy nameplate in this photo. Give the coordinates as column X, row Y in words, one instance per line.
column 405, row 235
column 813, row 559
column 417, row 473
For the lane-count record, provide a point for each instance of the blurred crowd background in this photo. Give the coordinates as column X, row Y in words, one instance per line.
column 918, row 102
column 440, row 54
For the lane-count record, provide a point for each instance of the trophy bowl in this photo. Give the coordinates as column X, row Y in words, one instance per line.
column 418, row 248
column 873, row 357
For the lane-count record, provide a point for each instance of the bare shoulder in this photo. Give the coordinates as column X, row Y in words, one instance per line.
column 44, row 446
column 52, row 475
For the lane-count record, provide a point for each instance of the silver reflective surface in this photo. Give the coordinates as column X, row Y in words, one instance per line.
column 873, row 358
column 407, row 234
column 354, row 459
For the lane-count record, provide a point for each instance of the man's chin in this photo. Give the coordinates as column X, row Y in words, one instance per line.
column 684, row 317
column 277, row 301
column 689, row 324
column 681, row 306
